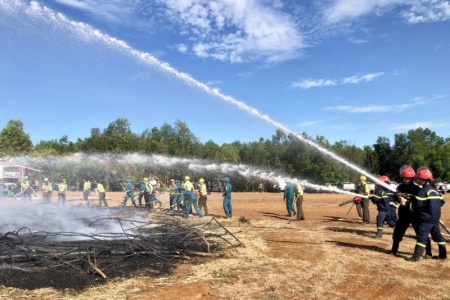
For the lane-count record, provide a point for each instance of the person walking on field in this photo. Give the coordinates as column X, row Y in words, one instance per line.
column 47, row 191
column 288, row 197
column 62, row 189
column 428, row 205
column 298, row 194
column 383, row 199
column 406, row 192
column 129, row 189
column 101, row 194
column 227, row 207
column 172, row 194
column 26, row 189
column 202, row 197
column 86, row 190
column 364, row 189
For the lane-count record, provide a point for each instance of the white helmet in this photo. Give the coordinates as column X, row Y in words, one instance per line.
column 46, row 179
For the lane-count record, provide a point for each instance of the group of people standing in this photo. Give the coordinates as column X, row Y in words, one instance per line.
column 182, row 196
column 419, row 204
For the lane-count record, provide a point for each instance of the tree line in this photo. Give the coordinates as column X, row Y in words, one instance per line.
column 282, row 153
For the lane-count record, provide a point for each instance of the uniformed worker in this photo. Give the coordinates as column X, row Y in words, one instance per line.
column 202, row 196
column 101, row 194
column 47, row 191
column 62, row 189
column 364, row 189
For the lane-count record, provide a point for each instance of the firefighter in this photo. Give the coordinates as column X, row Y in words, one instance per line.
column 383, row 199
column 298, row 192
column 155, row 192
column 188, row 184
column 406, row 193
column 288, row 197
column 47, row 191
column 190, row 199
column 202, row 197
column 129, row 193
column 142, row 185
column 172, row 194
column 227, row 207
column 101, row 193
column 428, row 207
column 26, row 189
column 147, row 193
column 62, row 189
column 364, row 189
column 86, row 190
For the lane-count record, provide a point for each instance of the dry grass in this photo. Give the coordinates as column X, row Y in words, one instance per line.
column 287, row 260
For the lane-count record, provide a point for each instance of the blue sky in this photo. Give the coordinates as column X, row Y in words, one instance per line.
column 347, row 70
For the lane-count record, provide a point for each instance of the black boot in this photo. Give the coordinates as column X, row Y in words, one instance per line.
column 394, row 249
column 418, row 253
column 428, row 253
column 379, row 233
column 442, row 252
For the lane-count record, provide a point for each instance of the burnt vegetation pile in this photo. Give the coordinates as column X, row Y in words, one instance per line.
column 72, row 260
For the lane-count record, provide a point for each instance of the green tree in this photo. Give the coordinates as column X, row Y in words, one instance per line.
column 13, row 140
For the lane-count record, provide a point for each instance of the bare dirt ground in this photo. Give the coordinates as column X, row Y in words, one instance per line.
column 330, row 255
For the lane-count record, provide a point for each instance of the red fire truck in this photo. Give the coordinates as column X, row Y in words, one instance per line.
column 13, row 173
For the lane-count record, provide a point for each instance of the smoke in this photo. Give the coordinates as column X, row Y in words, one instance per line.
column 71, row 222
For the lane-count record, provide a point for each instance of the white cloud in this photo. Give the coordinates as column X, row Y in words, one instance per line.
column 413, row 11
column 347, row 10
column 428, row 11
column 110, row 11
column 375, row 108
column 307, row 123
column 237, row 30
column 359, row 78
column 356, row 40
column 182, row 48
column 412, row 126
column 309, row 83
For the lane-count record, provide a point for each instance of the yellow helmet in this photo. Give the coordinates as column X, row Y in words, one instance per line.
column 201, row 180
column 362, row 177
column 145, row 179
column 187, row 177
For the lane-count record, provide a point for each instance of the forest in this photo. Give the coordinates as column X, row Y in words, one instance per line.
column 282, row 153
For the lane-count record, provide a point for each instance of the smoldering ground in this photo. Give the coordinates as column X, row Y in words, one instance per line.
column 76, row 246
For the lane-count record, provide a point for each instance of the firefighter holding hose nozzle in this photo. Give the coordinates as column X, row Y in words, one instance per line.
column 383, row 199
column 363, row 206
column 428, row 207
column 406, row 195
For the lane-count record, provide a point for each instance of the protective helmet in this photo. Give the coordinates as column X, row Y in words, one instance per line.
column 177, row 181
column 172, row 180
column 295, row 180
column 46, row 179
column 26, row 177
column 362, row 177
column 181, row 188
column 64, row 181
column 201, row 180
column 424, row 173
column 407, row 172
column 226, row 179
column 129, row 180
column 187, row 177
column 384, row 178
column 145, row 179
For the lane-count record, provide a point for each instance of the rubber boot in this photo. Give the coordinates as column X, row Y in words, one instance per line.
column 394, row 249
column 428, row 253
column 418, row 253
column 379, row 233
column 442, row 252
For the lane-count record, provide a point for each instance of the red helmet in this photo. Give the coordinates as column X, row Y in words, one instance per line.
column 407, row 172
column 384, row 178
column 424, row 174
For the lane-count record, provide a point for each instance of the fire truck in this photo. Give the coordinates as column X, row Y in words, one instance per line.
column 13, row 173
